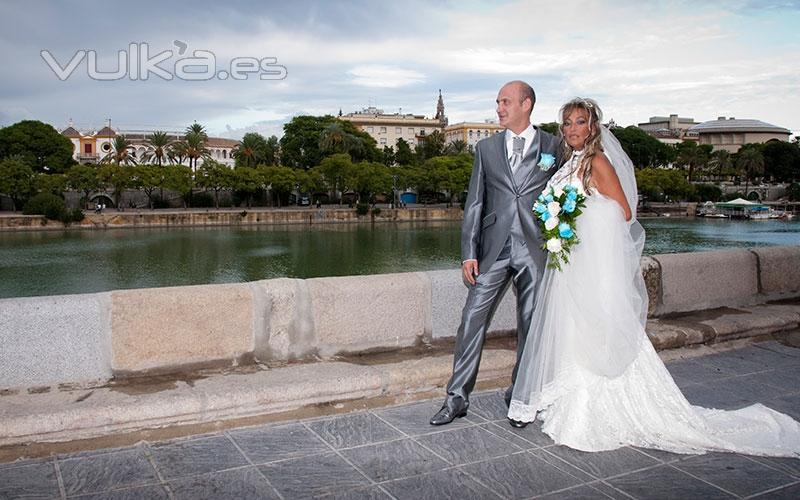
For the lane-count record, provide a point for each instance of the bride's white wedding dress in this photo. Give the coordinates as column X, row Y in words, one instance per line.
column 592, row 375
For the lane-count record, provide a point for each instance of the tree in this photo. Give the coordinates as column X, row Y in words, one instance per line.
column 195, row 146
column 551, row 127
column 83, row 178
column 177, row 152
column 248, row 180
column 38, row 145
column 121, row 152
column 781, row 160
column 117, row 178
column 659, row 184
column 432, row 145
column 721, row 163
column 157, row 145
column 50, row 183
column 334, row 170
column 335, row 139
column 368, row 179
column 178, row 178
column 692, row 157
column 643, row 149
column 388, row 156
column 404, row 155
column 457, row 147
column 281, row 181
column 251, row 151
column 308, row 139
column 749, row 162
column 214, row 176
column 272, row 151
column 148, row 179
column 16, row 180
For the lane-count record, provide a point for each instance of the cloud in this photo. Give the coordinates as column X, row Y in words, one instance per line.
column 385, row 76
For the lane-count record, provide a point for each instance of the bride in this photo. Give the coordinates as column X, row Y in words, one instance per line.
column 588, row 368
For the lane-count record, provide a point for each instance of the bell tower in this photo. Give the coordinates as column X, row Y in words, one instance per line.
column 440, row 110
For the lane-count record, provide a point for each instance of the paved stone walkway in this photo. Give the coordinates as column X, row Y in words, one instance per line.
column 394, row 453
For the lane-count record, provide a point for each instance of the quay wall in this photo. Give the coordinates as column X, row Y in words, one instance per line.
column 90, row 338
column 238, row 217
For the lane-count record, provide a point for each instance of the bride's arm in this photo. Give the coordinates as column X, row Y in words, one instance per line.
column 605, row 180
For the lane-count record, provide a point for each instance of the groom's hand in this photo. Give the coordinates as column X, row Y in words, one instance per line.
column 470, row 270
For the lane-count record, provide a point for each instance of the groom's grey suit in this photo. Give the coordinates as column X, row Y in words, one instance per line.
column 500, row 231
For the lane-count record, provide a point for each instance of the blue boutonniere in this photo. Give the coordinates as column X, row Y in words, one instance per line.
column 546, row 161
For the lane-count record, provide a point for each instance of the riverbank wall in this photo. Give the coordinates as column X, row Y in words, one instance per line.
column 695, row 299
column 239, row 217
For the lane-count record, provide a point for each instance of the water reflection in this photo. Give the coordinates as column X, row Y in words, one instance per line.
column 51, row 263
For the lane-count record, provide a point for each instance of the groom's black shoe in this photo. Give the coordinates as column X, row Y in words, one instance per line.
column 447, row 415
column 517, row 423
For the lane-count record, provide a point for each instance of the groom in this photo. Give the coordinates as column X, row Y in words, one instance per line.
column 500, row 240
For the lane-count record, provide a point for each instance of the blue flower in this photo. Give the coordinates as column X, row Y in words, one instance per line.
column 540, row 199
column 549, row 197
column 546, row 161
column 572, row 195
column 540, row 208
column 565, row 231
column 569, row 206
column 544, row 216
column 570, row 187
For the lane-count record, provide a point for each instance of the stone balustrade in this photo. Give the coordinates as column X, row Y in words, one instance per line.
column 86, row 338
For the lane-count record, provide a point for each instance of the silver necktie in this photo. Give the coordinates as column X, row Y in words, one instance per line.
column 518, row 146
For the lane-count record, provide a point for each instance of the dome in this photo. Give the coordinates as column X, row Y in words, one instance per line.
column 727, row 125
column 71, row 133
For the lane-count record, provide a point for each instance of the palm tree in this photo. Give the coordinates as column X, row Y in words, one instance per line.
column 751, row 162
column 121, row 152
column 196, row 128
column 249, row 150
column 177, row 152
column 335, row 139
column 457, row 147
column 157, row 144
column 692, row 157
column 195, row 143
column 721, row 162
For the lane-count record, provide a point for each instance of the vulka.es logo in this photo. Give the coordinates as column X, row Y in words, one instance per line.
column 136, row 63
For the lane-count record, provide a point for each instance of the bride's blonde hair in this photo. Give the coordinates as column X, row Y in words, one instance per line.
column 592, row 145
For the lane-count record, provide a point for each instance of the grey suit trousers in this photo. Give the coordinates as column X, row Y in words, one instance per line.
column 515, row 265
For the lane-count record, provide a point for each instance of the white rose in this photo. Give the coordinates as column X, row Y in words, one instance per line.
column 554, row 208
column 551, row 223
column 558, row 192
column 554, row 245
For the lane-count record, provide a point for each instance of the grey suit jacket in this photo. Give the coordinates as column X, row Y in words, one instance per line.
column 496, row 195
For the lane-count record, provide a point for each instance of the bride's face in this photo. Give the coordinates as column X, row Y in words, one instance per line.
column 576, row 128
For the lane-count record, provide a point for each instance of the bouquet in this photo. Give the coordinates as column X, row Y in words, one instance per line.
column 557, row 210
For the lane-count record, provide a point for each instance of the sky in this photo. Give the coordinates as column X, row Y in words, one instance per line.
column 638, row 59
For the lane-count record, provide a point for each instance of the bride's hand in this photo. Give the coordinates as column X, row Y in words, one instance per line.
column 470, row 270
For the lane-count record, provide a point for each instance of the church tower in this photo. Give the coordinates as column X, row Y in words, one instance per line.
column 440, row 110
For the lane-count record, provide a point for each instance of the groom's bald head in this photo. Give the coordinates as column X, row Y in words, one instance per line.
column 524, row 91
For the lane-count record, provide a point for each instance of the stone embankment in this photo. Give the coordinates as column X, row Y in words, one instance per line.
column 283, row 344
column 238, row 217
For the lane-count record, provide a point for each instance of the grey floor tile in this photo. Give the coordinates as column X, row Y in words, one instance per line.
column 152, row 492
column 562, row 464
column 663, row 456
column 370, row 493
column 747, row 388
column 583, row 492
column 528, row 438
column 780, row 348
column 665, row 482
column 789, row 405
column 732, row 362
column 790, row 466
column 196, row 456
column 414, row 419
column 246, row 483
column 767, row 357
column 96, row 473
column 277, row 442
column 788, row 381
column 353, row 430
column 469, row 444
column 708, row 397
column 394, row 460
column 313, row 475
column 604, row 464
column 787, row 493
column 489, row 405
column 688, row 371
column 520, row 476
column 24, row 462
column 37, row 480
column 446, row 484
column 734, row 473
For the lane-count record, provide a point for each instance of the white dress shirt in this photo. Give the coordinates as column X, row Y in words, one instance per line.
column 529, row 133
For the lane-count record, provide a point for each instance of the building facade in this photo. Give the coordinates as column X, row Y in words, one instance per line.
column 731, row 134
column 91, row 147
column 671, row 129
column 471, row 132
column 386, row 129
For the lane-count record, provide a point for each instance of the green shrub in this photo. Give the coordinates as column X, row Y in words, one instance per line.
column 362, row 208
column 794, row 191
column 376, row 212
column 70, row 216
column 708, row 192
column 159, row 202
column 47, row 204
